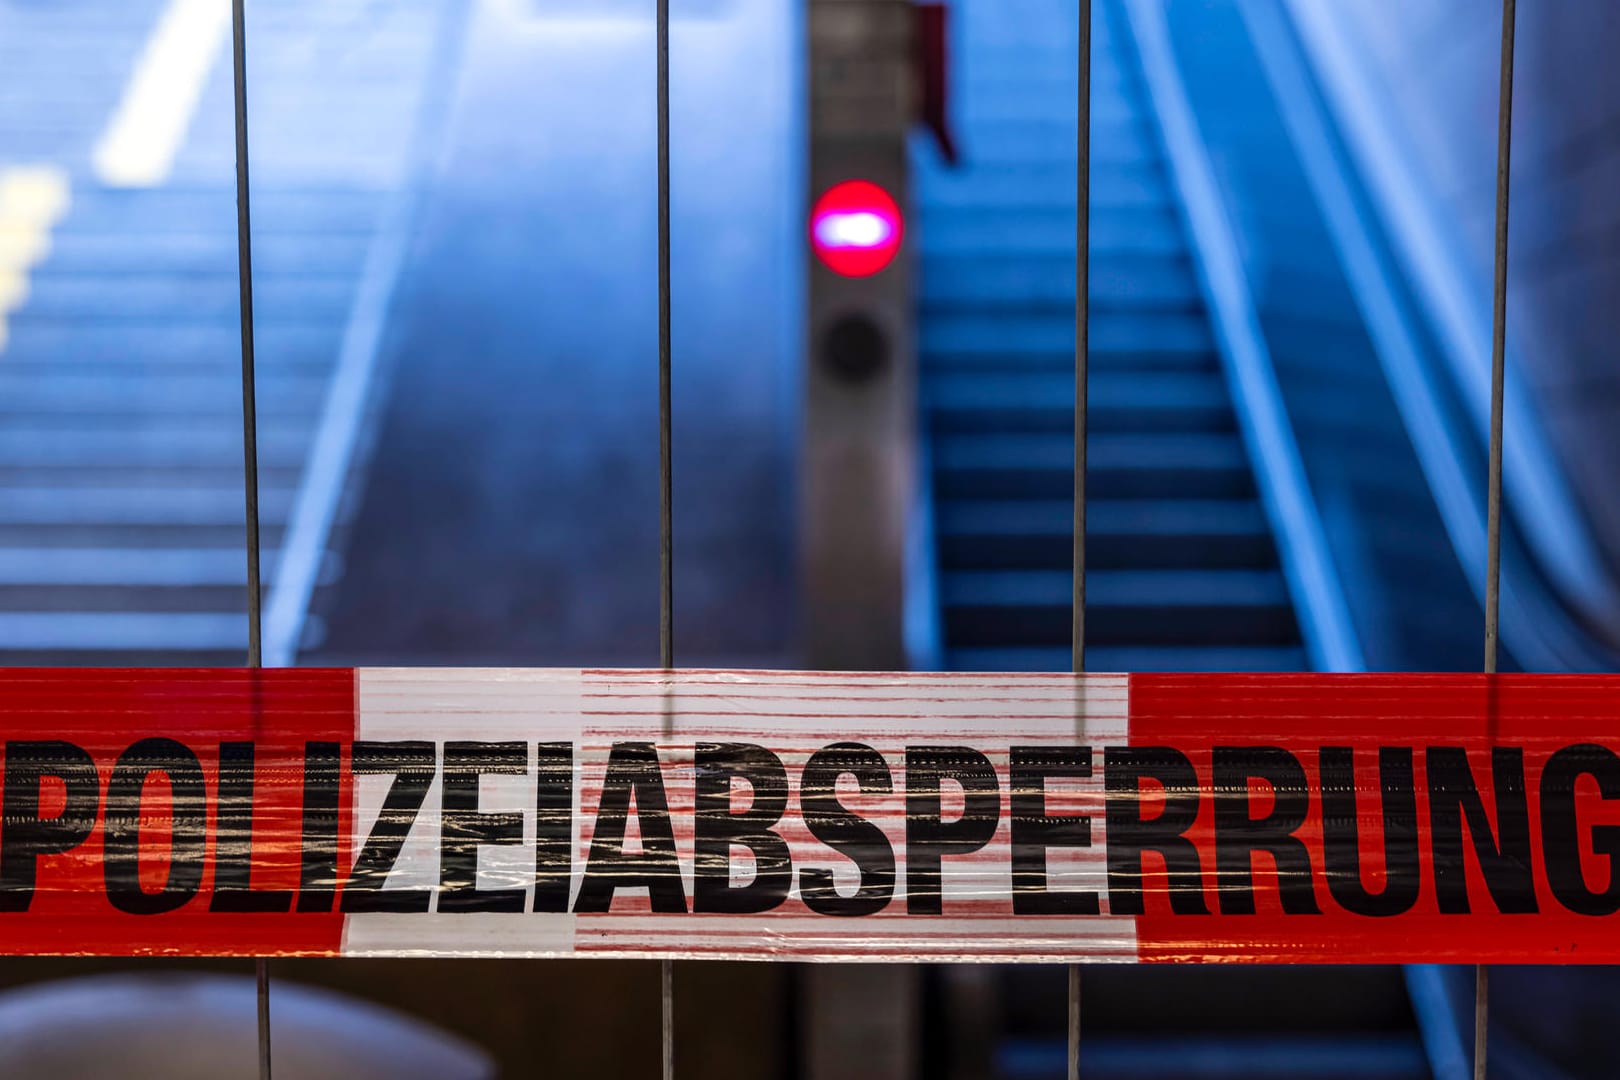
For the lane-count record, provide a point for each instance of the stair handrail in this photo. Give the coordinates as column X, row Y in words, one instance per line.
column 357, row 378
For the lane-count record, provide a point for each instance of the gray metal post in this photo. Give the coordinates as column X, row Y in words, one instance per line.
column 1493, row 521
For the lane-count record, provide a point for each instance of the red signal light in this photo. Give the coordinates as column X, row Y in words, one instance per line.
column 856, row 228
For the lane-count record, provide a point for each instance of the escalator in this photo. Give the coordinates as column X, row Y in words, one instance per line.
column 1187, row 552
column 1183, row 569
column 1248, row 261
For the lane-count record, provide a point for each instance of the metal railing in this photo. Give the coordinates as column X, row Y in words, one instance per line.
column 666, row 582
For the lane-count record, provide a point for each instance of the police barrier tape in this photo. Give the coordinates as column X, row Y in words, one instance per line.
column 810, row 816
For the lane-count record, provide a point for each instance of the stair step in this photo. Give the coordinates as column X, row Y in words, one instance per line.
column 121, row 630
column 162, row 598
column 135, row 212
column 1028, row 402
column 1025, row 282
column 170, row 567
column 1147, row 533
column 38, row 392
column 161, row 446
column 214, row 297
column 133, row 505
column 162, row 343
column 206, row 252
column 145, row 537
column 1192, row 466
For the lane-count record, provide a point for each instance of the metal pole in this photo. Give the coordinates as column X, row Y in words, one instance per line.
column 250, row 426
column 1082, row 268
column 1493, row 519
column 666, row 534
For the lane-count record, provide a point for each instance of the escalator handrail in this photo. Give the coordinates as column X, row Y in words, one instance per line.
column 1314, row 582
column 1550, row 554
column 1568, row 570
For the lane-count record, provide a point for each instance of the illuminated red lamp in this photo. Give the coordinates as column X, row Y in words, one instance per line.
column 856, row 228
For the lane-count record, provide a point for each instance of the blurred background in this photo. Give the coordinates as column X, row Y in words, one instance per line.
column 455, row 268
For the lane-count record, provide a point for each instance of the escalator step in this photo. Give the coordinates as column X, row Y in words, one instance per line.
column 1011, row 233
column 1283, row 1057
column 1128, row 143
column 1026, row 401
column 1125, row 607
column 1164, row 589
column 1040, row 282
column 1115, row 185
column 1111, row 332
column 1132, row 658
column 1119, row 533
column 1199, row 466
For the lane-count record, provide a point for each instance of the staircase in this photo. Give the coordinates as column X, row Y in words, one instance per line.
column 1182, row 568
column 121, row 503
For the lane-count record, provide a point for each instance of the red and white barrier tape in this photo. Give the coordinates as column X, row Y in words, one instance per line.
column 810, row 816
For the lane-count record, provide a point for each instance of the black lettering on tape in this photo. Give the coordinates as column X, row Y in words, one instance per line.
column 233, row 841
column 1034, row 831
column 717, row 829
column 553, row 826
column 1341, row 834
column 465, row 828
column 26, row 835
column 1130, row 835
column 318, row 863
column 1504, row 857
column 929, row 839
column 413, row 764
column 846, row 832
column 188, row 829
column 633, row 775
column 1560, row 831
column 1239, row 835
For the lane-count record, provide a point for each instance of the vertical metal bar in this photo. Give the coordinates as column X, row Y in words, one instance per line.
column 1493, row 519
column 244, row 272
column 261, row 971
column 666, row 532
column 250, row 426
column 1082, row 349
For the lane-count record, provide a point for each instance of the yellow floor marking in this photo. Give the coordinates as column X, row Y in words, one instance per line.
column 145, row 134
column 32, row 200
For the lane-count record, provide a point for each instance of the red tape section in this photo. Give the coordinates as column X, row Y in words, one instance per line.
column 128, row 801
column 1398, row 818
column 817, row 816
